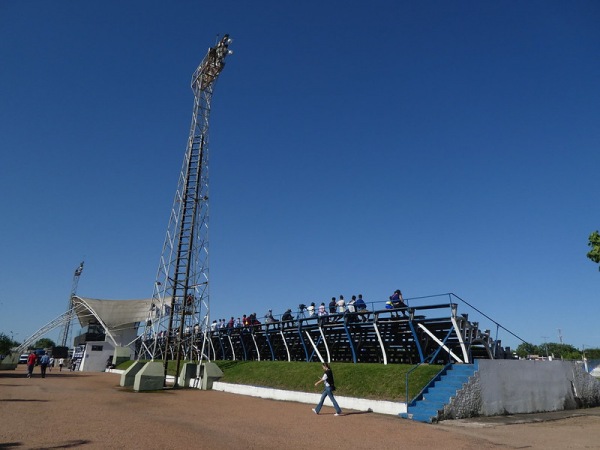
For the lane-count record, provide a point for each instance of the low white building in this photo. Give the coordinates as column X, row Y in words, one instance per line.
column 117, row 321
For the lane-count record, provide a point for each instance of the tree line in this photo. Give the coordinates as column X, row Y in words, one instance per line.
column 556, row 351
column 6, row 343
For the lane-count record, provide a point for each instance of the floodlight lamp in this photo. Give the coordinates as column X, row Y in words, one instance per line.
column 229, row 41
column 230, row 52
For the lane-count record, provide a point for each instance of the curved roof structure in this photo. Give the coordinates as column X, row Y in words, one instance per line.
column 114, row 315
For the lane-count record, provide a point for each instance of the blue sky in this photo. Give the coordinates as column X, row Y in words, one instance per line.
column 355, row 148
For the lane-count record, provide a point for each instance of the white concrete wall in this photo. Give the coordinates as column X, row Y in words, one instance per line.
column 95, row 361
column 357, row 404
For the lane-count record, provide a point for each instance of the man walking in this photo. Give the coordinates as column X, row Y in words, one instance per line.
column 44, row 361
column 31, row 363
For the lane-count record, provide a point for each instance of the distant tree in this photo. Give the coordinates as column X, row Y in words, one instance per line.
column 6, row 343
column 592, row 353
column 44, row 343
column 594, row 242
column 525, row 349
column 558, row 351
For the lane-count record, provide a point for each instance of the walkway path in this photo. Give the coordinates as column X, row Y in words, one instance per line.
column 91, row 411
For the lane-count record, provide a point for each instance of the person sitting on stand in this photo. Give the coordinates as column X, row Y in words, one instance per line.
column 361, row 307
column 398, row 301
column 287, row 319
column 270, row 320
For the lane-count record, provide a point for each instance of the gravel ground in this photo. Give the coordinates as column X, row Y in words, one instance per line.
column 91, row 411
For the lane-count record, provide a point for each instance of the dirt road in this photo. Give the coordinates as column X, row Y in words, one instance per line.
column 91, row 411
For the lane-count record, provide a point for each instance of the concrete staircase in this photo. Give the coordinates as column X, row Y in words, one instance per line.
column 427, row 406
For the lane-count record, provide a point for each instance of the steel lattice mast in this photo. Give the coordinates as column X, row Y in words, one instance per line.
column 63, row 339
column 180, row 309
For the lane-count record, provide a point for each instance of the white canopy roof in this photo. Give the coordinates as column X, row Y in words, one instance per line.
column 114, row 314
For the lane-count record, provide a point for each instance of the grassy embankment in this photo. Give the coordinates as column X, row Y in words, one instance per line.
column 371, row 381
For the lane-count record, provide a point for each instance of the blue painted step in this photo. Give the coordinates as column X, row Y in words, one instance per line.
column 439, row 393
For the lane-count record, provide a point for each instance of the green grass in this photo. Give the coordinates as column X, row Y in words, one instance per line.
column 370, row 381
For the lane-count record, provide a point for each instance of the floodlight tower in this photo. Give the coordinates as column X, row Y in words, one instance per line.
column 63, row 338
column 181, row 292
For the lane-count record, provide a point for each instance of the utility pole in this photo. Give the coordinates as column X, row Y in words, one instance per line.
column 545, row 338
column 560, row 338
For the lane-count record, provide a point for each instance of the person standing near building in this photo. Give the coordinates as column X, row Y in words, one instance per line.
column 31, row 359
column 44, row 361
column 329, row 383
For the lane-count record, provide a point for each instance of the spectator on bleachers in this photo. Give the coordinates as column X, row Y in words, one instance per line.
column 253, row 320
column 361, row 307
column 238, row 323
column 213, row 326
column 269, row 317
column 322, row 313
column 360, row 304
column 351, row 304
column 398, row 301
column 350, row 308
column 311, row 309
column 287, row 318
column 322, row 310
column 341, row 305
column 231, row 322
column 271, row 320
column 245, row 321
column 332, row 305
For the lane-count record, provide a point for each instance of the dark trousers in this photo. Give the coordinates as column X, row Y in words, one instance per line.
column 43, row 369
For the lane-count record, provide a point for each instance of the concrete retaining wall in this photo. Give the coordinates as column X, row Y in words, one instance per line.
column 511, row 387
column 499, row 387
column 358, row 404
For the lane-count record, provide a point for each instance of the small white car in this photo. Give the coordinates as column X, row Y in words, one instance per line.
column 23, row 358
